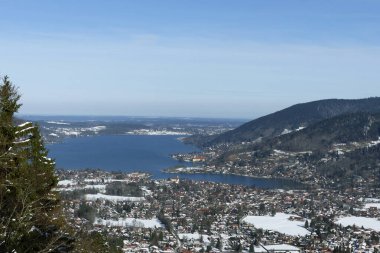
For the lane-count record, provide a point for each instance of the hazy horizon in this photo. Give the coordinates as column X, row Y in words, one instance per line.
column 21, row 115
column 34, row 115
column 214, row 59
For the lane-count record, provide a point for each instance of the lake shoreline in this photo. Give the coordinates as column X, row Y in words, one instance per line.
column 147, row 154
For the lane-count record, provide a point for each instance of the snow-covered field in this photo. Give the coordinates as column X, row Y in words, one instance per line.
column 92, row 180
column 130, row 222
column 155, row 132
column 371, row 223
column 277, row 247
column 95, row 186
column 368, row 205
column 94, row 197
column 372, row 200
column 110, row 180
column 66, row 182
column 69, row 185
column 280, row 223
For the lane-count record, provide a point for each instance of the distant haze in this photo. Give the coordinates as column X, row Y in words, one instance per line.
column 226, row 59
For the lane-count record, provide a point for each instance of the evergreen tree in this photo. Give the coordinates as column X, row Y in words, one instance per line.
column 161, row 236
column 252, row 248
column 30, row 217
column 218, row 244
column 8, row 106
column 306, row 224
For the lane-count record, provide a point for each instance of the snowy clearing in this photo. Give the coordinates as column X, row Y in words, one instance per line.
column 155, row 132
column 94, row 197
column 129, row 222
column 92, row 180
column 96, row 186
column 110, row 180
column 67, row 189
column 280, row 223
column 369, row 205
column 277, row 247
column 57, row 122
column 276, row 151
column 66, row 182
column 371, row 223
column 372, row 200
column 288, row 131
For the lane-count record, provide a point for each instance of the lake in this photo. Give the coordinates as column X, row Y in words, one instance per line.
column 146, row 153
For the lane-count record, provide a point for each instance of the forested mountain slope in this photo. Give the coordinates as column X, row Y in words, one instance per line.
column 290, row 119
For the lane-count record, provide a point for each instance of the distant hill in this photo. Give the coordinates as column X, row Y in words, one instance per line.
column 346, row 128
column 289, row 119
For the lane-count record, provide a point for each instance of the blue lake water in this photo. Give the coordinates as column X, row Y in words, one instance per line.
column 129, row 153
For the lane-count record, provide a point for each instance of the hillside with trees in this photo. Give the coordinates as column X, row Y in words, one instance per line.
column 290, row 119
column 343, row 149
column 347, row 128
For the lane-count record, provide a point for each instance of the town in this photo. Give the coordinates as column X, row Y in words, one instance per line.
column 310, row 168
column 174, row 215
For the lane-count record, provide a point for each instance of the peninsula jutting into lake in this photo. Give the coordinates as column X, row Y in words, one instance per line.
column 139, row 153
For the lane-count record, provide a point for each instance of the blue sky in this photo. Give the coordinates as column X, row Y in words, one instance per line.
column 201, row 58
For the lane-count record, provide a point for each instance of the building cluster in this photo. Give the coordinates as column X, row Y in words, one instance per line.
column 176, row 215
column 302, row 166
